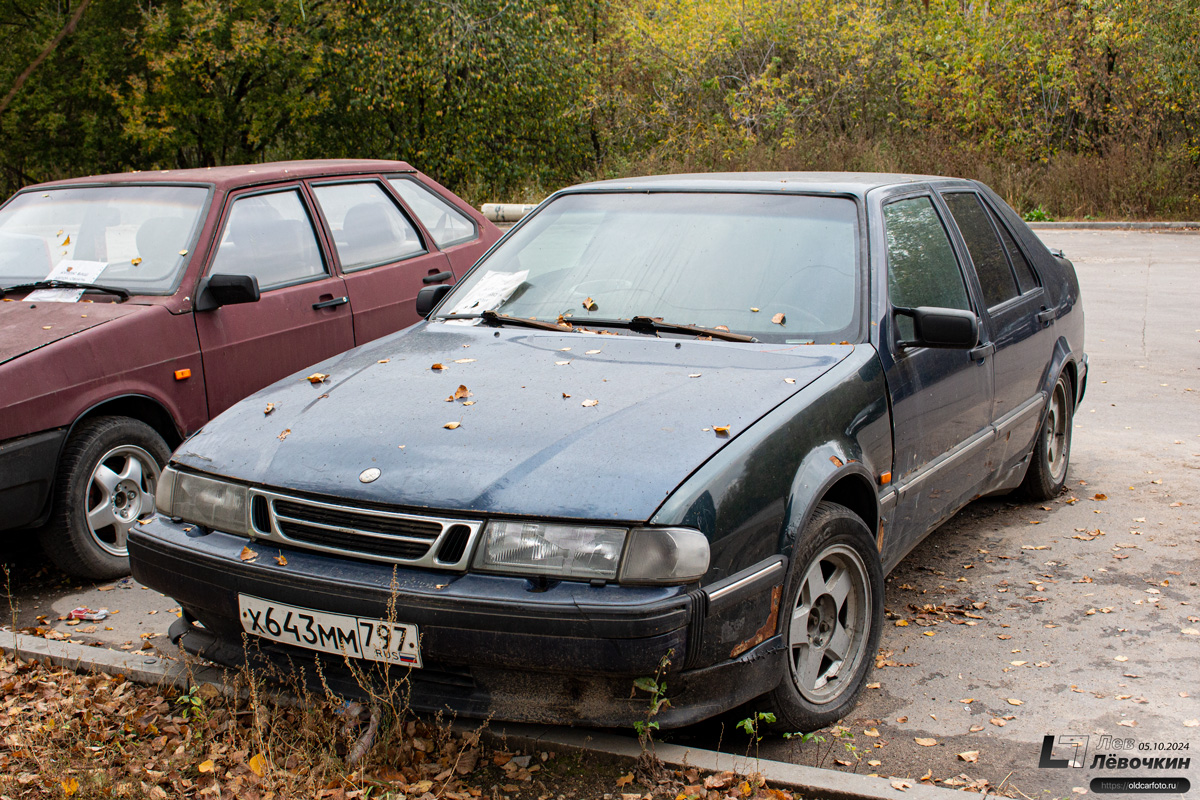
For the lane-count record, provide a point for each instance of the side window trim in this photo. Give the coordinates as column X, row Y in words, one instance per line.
column 233, row 197
column 422, row 236
column 412, row 178
column 999, row 222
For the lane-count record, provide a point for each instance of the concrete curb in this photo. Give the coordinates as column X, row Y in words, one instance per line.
column 810, row 782
column 1115, row 226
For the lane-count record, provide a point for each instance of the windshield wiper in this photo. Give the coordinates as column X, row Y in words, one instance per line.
column 492, row 318
column 651, row 325
column 56, row 284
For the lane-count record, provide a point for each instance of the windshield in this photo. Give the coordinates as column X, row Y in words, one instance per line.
column 132, row 237
column 779, row 268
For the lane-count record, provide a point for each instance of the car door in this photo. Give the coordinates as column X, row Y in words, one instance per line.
column 1014, row 301
column 941, row 398
column 303, row 314
column 382, row 257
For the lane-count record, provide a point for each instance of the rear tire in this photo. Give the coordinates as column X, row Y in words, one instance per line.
column 834, row 613
column 1051, row 455
column 105, row 484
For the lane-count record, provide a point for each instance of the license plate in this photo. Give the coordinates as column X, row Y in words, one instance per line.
column 356, row 637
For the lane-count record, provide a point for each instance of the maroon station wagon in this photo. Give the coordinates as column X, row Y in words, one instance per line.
column 137, row 306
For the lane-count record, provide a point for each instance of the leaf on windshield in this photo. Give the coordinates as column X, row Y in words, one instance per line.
column 721, row 328
column 438, row 367
column 721, row 430
column 183, row 252
column 562, row 320
column 451, row 425
column 755, row 310
column 317, row 377
column 590, row 403
column 135, row 261
column 589, row 304
column 778, row 319
column 270, row 407
column 66, row 241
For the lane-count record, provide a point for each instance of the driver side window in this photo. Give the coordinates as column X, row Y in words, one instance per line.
column 922, row 268
column 270, row 237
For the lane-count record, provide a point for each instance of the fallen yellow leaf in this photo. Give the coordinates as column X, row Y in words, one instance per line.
column 281, row 560
column 463, row 360
column 451, row 425
column 925, row 742
column 970, row 756
column 901, row 623
column 135, row 261
column 438, row 367
column 70, row 786
column 589, row 304
column 778, row 319
column 248, row 554
column 270, row 407
column 284, row 435
column 721, row 430
column 206, row 766
column 1014, row 702
column 625, row 780
column 317, row 377
column 590, row 403
column 258, row 765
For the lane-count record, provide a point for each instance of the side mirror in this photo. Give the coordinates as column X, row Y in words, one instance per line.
column 428, row 298
column 949, row 328
column 227, row 290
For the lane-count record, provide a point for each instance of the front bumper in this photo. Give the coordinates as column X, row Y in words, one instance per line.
column 27, row 466
column 491, row 645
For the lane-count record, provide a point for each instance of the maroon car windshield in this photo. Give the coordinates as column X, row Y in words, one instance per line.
column 132, row 237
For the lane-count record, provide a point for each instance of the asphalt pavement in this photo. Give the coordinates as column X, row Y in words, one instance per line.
column 1014, row 621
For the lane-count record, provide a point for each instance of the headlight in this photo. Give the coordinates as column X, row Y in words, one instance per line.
column 581, row 552
column 562, row 551
column 205, row 501
column 665, row 555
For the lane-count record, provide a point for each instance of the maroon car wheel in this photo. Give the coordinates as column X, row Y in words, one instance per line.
column 106, row 482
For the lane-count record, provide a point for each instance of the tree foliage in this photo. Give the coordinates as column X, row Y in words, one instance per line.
column 1088, row 106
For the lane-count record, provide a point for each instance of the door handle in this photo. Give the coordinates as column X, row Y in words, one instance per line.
column 437, row 277
column 1046, row 315
column 981, row 352
column 336, row 301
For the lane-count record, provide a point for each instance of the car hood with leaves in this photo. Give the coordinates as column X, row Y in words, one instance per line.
column 566, row 425
column 25, row 326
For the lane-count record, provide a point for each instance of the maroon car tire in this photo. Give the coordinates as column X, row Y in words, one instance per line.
column 106, row 480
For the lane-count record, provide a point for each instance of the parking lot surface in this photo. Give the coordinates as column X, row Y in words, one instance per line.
column 1015, row 620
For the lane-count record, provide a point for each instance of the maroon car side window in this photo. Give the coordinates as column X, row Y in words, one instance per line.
column 368, row 228
column 270, row 237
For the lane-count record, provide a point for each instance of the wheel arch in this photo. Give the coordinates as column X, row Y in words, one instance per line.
column 831, row 474
column 135, row 406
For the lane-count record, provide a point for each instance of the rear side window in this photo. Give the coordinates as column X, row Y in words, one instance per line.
column 270, row 237
column 445, row 223
column 991, row 264
column 368, row 228
column 1026, row 278
column 922, row 268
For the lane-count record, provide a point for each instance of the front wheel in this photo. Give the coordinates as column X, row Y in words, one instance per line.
column 1047, row 473
column 834, row 603
column 105, row 485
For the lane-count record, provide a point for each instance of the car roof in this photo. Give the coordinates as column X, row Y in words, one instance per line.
column 234, row 176
column 854, row 183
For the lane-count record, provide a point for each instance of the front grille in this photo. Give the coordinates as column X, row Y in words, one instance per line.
column 367, row 533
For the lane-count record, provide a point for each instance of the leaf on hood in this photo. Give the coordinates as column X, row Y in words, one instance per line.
column 590, row 403
column 561, row 363
column 247, row 554
column 589, row 304
column 591, row 352
column 270, row 407
column 694, row 375
column 565, row 395
column 468, row 402
column 451, row 425
column 66, row 241
column 284, row 435
column 755, row 310
column 463, row 360
column 135, row 261
column 438, row 367
column 460, row 393
column 779, row 319
column 721, row 430
column 383, row 361
column 789, row 380
column 281, row 560
column 317, row 377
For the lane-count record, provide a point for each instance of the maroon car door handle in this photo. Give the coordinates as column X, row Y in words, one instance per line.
column 330, row 302
column 437, row 277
